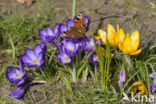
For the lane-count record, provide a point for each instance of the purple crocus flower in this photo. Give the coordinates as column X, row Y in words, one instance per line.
column 122, row 78
column 64, row 58
column 94, row 59
column 153, row 75
column 15, row 75
column 34, row 58
column 153, row 86
column 69, row 47
column 19, row 92
column 48, row 35
column 89, row 45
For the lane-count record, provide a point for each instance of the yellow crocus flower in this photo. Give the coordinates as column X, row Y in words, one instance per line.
column 130, row 44
column 114, row 37
column 103, row 52
column 139, row 86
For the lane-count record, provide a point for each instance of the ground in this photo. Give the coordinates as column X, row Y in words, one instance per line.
column 17, row 19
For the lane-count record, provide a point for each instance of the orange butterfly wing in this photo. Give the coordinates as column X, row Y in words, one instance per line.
column 78, row 29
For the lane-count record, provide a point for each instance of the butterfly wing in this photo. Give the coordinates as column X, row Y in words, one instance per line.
column 72, row 33
column 80, row 23
column 78, row 30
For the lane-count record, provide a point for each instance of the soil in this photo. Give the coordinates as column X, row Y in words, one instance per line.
column 101, row 12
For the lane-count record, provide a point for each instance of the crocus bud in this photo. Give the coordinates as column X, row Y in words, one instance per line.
column 122, row 78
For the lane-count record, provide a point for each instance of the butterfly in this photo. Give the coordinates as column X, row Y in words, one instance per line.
column 78, row 29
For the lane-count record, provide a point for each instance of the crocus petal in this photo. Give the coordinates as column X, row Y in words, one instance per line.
column 31, row 65
column 30, row 53
column 111, row 34
column 153, row 86
column 50, row 32
column 135, row 40
column 87, row 20
column 25, row 59
column 63, row 28
column 56, row 28
column 120, row 84
column 78, row 47
column 136, row 52
column 153, row 75
column 37, row 49
column 102, row 35
column 42, row 35
column 126, row 45
column 139, row 86
column 21, row 66
column 74, row 18
column 13, row 69
column 49, row 39
column 123, row 76
column 18, row 93
column 137, row 83
column 44, row 46
column 110, row 28
column 11, row 76
column 40, row 56
column 41, row 63
column 70, row 23
column 42, row 32
column 57, row 32
column 20, row 83
column 119, row 37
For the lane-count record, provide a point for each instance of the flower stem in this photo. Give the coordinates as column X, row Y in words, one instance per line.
column 85, row 74
column 95, row 72
column 73, row 8
column 74, row 74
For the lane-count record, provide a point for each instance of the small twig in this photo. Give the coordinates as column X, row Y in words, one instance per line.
column 40, row 82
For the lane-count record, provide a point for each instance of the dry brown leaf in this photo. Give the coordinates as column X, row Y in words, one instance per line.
column 21, row 1
column 29, row 2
